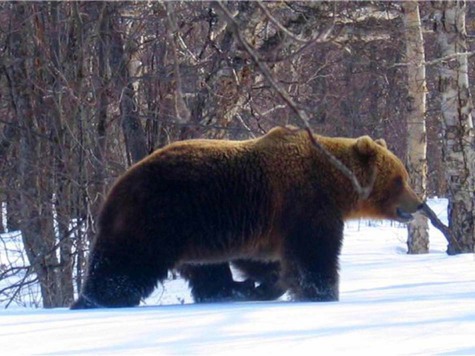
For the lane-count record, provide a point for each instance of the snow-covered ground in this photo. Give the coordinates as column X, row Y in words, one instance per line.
column 391, row 304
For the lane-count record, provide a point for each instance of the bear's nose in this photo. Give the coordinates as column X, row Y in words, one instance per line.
column 420, row 206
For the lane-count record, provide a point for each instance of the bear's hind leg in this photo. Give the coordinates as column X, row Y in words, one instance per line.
column 266, row 274
column 214, row 283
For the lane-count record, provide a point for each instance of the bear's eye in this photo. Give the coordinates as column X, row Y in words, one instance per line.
column 398, row 182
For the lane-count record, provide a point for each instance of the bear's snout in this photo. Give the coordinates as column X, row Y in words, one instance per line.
column 404, row 216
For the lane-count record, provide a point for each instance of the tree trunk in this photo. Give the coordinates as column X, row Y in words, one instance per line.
column 457, row 124
column 8, row 136
column 35, row 186
column 2, row 201
column 121, row 55
column 12, row 205
column 61, row 170
column 418, row 236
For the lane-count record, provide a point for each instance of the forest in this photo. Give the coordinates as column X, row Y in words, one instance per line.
column 89, row 88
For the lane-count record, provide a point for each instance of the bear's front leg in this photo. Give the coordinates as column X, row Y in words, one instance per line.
column 310, row 264
column 306, row 285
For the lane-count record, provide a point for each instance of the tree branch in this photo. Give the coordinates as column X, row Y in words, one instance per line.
column 437, row 60
column 439, row 225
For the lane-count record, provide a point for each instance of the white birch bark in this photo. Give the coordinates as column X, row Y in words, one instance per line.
column 458, row 132
column 418, row 236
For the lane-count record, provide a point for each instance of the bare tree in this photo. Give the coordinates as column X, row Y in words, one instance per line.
column 418, row 235
column 458, row 130
column 122, row 65
column 36, row 217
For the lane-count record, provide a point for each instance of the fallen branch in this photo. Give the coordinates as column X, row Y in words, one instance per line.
column 444, row 229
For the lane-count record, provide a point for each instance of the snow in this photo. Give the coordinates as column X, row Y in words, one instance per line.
column 391, row 303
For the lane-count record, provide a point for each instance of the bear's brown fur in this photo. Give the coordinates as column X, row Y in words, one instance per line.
column 273, row 200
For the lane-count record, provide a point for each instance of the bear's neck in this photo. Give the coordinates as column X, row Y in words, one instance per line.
column 344, row 192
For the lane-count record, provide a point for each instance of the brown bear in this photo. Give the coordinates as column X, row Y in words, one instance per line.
column 273, row 206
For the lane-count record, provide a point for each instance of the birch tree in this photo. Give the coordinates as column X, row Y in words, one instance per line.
column 418, row 236
column 457, row 124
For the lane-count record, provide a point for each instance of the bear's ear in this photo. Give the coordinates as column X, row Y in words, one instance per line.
column 365, row 146
column 381, row 142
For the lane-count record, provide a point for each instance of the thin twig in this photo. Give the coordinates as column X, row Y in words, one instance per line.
column 279, row 25
column 306, row 44
column 31, row 268
column 19, row 286
column 437, row 60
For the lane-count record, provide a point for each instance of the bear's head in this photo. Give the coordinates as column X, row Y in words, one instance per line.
column 391, row 196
